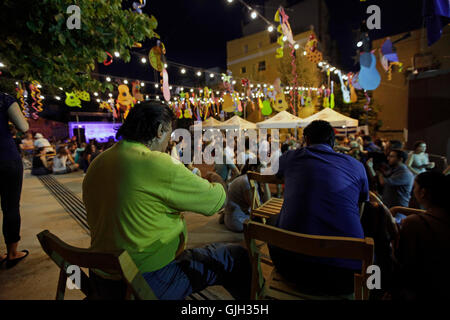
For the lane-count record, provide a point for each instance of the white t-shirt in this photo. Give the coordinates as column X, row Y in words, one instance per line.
column 41, row 143
column 59, row 164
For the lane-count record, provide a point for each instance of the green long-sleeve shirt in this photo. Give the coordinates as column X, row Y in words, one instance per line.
column 133, row 197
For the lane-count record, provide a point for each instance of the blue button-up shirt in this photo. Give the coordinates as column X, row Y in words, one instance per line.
column 323, row 190
column 398, row 186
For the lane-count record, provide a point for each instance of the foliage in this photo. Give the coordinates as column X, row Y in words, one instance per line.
column 37, row 45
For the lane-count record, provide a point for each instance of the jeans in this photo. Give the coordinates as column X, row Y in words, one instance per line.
column 195, row 269
column 235, row 217
column 11, row 176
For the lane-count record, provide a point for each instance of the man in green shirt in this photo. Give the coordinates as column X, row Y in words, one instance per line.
column 134, row 193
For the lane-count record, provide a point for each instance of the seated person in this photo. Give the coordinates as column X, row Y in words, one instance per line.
column 63, row 162
column 423, row 251
column 239, row 200
column 79, row 153
column 323, row 191
column 135, row 194
column 40, row 165
column 41, row 142
column 27, row 144
column 227, row 167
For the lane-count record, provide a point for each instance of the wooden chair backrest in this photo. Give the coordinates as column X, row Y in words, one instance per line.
column 256, row 180
column 317, row 246
column 405, row 211
column 65, row 255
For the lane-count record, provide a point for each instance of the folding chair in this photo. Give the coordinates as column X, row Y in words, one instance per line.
column 272, row 206
column 318, row 246
column 121, row 263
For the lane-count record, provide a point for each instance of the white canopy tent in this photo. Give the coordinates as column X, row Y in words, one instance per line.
column 283, row 120
column 236, row 123
column 334, row 118
column 209, row 123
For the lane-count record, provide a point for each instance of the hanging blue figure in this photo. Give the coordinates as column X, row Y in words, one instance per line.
column 138, row 6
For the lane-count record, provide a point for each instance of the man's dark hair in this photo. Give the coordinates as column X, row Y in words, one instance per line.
column 400, row 154
column 367, row 138
column 320, row 132
column 143, row 121
column 437, row 187
column 396, row 144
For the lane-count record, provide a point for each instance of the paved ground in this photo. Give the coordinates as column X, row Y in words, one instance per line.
column 36, row 277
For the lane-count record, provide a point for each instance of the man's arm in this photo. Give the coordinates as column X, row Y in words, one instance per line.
column 16, row 117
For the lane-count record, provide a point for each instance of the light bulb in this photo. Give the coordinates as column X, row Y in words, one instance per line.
column 143, row 60
column 116, row 54
column 199, row 74
column 108, row 79
column 125, row 81
column 183, row 71
column 142, row 84
column 156, row 86
column 359, row 44
column 296, row 46
column 270, row 28
column 165, row 65
column 211, row 75
column 305, row 53
column 254, row 15
column 110, row 95
column 96, row 94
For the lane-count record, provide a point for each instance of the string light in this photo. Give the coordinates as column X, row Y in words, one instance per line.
column 211, row 75
column 296, row 46
column 183, row 71
column 116, row 54
column 98, row 100
column 110, row 95
column 199, row 74
column 96, row 94
column 108, row 79
column 143, row 60
column 165, row 65
column 125, row 81
column 156, row 86
column 60, row 88
column 270, row 28
column 142, row 84
column 254, row 15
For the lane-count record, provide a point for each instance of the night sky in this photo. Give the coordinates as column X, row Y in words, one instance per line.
column 195, row 32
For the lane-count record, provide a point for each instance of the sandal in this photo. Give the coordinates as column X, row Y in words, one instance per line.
column 13, row 262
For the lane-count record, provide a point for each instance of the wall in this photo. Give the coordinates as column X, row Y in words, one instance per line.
column 393, row 95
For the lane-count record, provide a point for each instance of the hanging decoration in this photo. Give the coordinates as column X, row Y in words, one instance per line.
column 389, row 58
column 312, row 51
column 137, row 6
column 108, row 62
column 72, row 100
column 21, row 97
column 136, row 90
column 125, row 101
column 344, row 89
column 155, row 56
column 332, row 96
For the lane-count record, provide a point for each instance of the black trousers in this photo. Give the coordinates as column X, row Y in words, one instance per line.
column 11, row 176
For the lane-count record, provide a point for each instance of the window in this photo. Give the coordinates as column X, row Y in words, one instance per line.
column 243, row 70
column 246, row 48
column 274, row 37
column 262, row 66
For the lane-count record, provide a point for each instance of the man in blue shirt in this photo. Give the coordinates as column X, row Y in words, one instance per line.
column 323, row 190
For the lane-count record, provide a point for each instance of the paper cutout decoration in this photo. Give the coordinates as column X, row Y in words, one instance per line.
column 135, row 89
column 155, row 57
column 187, row 110
column 108, row 62
column 83, row 95
column 312, row 51
column 332, row 104
column 165, row 85
column 389, row 58
column 344, row 89
column 267, row 108
column 280, row 103
column 124, row 100
column 228, row 104
column 355, row 81
column 138, row 6
column 285, row 26
column 369, row 78
column 72, row 100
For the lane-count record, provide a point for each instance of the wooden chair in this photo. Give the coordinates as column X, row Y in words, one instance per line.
column 318, row 246
column 65, row 255
column 405, row 211
column 271, row 207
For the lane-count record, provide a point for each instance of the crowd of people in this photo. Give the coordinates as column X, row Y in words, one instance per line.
column 134, row 194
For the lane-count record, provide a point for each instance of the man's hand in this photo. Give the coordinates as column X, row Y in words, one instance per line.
column 431, row 165
column 369, row 163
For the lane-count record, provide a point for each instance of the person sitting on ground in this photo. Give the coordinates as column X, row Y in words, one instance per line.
column 397, row 184
column 239, row 200
column 41, row 166
column 322, row 195
column 418, row 161
column 135, row 194
column 41, row 142
column 423, row 249
column 79, row 153
column 63, row 162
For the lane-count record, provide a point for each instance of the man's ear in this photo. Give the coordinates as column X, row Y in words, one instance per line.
column 159, row 132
